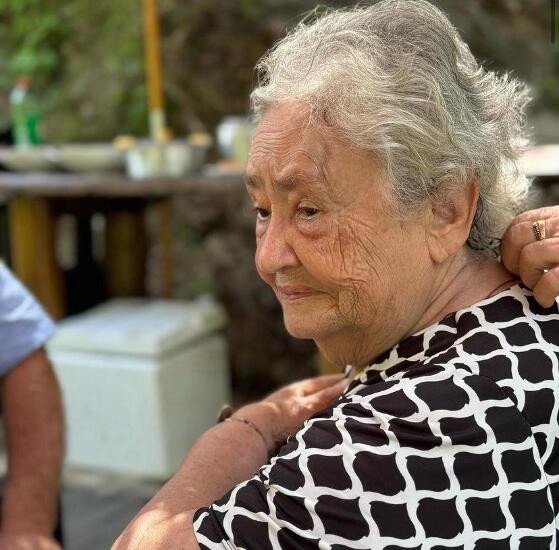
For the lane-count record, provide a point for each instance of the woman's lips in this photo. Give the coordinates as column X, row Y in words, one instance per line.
column 291, row 293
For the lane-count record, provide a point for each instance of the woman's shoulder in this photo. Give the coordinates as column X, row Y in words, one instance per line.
column 486, row 382
column 514, row 319
column 451, row 411
column 444, row 396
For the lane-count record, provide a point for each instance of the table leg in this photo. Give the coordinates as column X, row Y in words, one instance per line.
column 125, row 255
column 165, row 245
column 32, row 251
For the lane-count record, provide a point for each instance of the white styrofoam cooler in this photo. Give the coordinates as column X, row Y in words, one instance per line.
column 141, row 380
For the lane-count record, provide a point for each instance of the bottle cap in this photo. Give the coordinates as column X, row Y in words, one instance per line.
column 24, row 81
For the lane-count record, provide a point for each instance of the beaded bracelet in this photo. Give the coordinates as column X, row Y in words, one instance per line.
column 248, row 423
column 225, row 416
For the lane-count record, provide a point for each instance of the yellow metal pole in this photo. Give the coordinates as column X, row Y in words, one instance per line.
column 153, row 70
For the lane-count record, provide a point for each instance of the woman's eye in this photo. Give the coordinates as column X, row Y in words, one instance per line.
column 308, row 212
column 262, row 213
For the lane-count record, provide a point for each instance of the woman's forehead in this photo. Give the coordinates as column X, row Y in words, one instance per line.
column 287, row 149
column 287, row 146
column 286, row 139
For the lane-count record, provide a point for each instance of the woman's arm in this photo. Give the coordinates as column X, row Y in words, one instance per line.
column 224, row 456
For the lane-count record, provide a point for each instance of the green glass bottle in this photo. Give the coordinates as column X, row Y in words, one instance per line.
column 24, row 114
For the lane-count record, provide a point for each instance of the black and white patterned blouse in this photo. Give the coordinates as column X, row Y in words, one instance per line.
column 449, row 440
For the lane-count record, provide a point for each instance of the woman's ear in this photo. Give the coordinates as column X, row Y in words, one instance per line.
column 451, row 218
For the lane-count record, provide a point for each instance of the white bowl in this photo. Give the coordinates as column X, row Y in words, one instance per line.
column 90, row 157
column 170, row 159
column 37, row 158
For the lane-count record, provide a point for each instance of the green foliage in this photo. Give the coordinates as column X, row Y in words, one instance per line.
column 30, row 39
column 86, row 61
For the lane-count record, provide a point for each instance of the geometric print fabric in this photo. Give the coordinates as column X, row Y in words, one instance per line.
column 448, row 440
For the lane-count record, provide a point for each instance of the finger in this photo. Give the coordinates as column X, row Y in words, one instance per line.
column 520, row 234
column 317, row 383
column 547, row 288
column 537, row 257
column 543, row 213
column 326, row 396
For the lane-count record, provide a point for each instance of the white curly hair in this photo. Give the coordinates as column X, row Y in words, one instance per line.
column 395, row 78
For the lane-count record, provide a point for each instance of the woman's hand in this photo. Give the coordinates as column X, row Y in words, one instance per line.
column 283, row 412
column 536, row 262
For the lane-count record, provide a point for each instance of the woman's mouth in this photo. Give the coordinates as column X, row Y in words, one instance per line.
column 291, row 293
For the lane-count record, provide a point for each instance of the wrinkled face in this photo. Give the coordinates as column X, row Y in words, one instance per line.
column 327, row 240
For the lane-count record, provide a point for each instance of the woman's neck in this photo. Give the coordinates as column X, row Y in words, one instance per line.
column 458, row 285
column 463, row 285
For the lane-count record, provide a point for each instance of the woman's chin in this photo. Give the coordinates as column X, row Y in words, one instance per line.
column 300, row 326
column 305, row 326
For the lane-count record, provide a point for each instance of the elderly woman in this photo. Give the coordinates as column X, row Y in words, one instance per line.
column 382, row 168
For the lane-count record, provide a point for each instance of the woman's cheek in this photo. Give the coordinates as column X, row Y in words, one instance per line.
column 320, row 257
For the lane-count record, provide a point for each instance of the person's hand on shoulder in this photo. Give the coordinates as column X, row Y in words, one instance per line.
column 530, row 249
column 283, row 412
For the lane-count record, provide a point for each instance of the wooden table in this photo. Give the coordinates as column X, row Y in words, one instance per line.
column 35, row 199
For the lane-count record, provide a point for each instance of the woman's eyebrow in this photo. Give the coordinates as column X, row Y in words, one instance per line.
column 291, row 181
column 287, row 182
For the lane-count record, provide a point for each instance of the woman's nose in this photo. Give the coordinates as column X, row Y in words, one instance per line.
column 274, row 252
